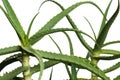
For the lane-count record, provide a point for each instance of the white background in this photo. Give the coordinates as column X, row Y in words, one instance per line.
column 26, row 9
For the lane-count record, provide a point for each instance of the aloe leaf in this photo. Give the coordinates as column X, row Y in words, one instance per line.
column 14, row 20
column 73, row 68
column 55, row 20
column 117, row 78
column 30, row 26
column 70, row 44
column 39, row 57
column 8, row 50
column 47, row 64
column 51, row 74
column 104, row 17
column 75, row 27
column 101, row 38
column 116, row 56
column 9, row 60
column 56, row 44
column 41, row 35
column 112, row 68
column 91, row 28
column 12, row 74
column 68, row 71
column 109, row 51
column 110, row 43
column 78, row 61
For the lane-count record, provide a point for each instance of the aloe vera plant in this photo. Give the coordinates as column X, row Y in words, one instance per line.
column 72, row 63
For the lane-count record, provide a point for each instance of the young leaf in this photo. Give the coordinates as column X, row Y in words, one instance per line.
column 91, row 28
column 8, row 50
column 104, row 17
column 73, row 68
column 102, row 36
column 14, row 20
column 30, row 26
column 78, row 61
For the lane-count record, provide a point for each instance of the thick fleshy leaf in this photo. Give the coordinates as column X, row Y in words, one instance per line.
column 47, row 64
column 55, row 20
column 9, row 60
column 104, row 17
column 12, row 74
column 112, row 68
column 8, row 50
column 102, row 36
column 14, row 20
column 41, row 35
column 80, row 37
column 78, row 61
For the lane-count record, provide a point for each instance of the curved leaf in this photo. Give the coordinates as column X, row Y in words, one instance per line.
column 91, row 28
column 39, row 57
column 110, row 43
column 102, row 36
column 42, row 34
column 78, row 61
column 9, row 60
column 55, row 20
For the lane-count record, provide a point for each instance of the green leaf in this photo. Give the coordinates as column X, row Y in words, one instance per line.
column 12, row 74
column 47, row 64
column 51, row 74
column 102, row 36
column 112, row 68
column 91, row 28
column 10, row 59
column 8, row 50
column 116, row 56
column 78, row 61
column 39, row 57
column 110, row 43
column 55, row 20
column 73, row 68
column 56, row 44
column 117, row 78
column 109, row 51
column 14, row 21
column 61, row 53
column 30, row 26
column 41, row 35
column 104, row 17
column 75, row 27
